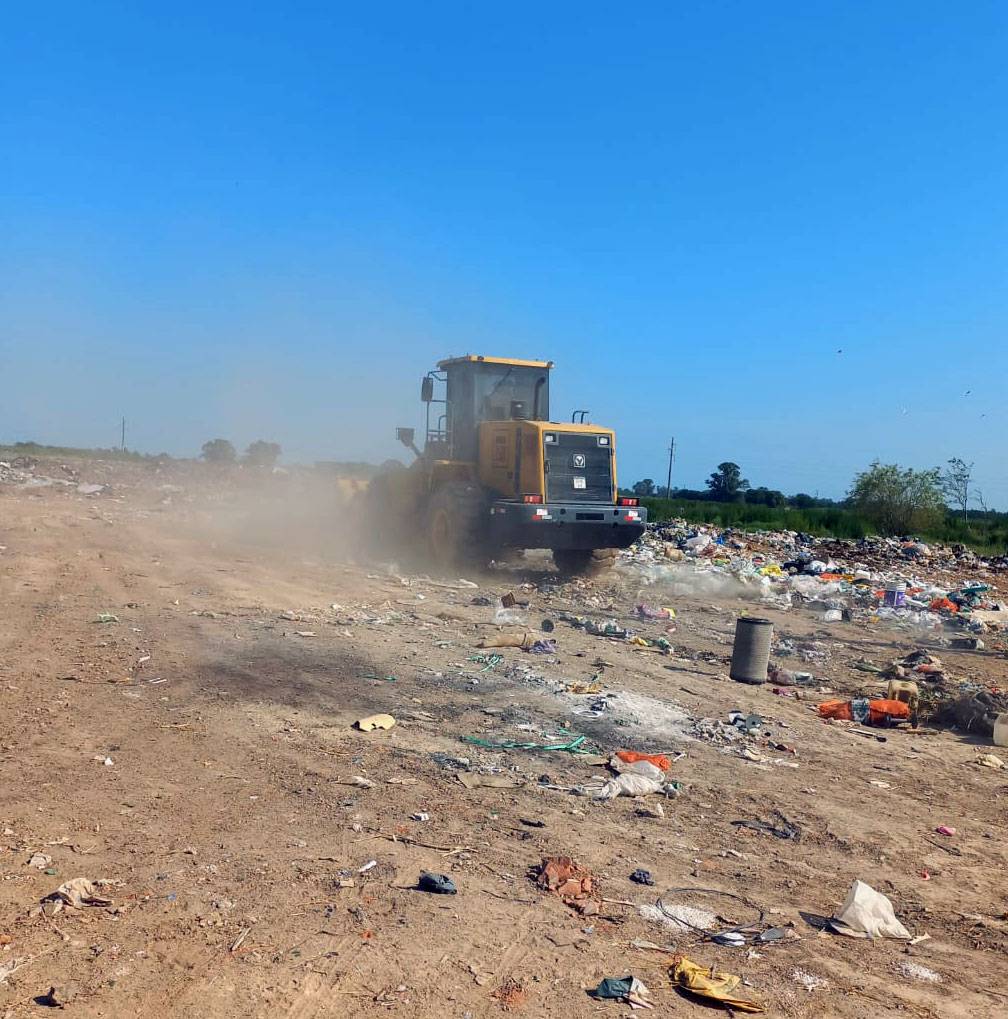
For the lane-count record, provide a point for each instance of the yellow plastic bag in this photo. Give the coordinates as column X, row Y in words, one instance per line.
column 708, row 983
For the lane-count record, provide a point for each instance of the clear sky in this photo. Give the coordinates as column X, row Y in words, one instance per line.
column 268, row 220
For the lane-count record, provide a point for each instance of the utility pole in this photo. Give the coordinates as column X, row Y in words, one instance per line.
column 671, row 457
column 124, row 434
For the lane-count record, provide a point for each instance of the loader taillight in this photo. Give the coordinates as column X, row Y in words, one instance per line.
column 624, row 501
column 533, row 499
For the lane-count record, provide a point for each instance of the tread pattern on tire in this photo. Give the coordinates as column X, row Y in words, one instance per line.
column 466, row 502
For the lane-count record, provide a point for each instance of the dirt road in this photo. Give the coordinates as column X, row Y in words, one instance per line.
column 196, row 752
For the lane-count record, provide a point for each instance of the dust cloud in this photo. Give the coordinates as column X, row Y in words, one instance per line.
column 294, row 512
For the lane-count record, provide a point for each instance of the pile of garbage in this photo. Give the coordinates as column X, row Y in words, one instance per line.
column 874, row 578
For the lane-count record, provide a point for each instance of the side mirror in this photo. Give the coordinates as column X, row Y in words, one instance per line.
column 427, row 389
column 405, row 436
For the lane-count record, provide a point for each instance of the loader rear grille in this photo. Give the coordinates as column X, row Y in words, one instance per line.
column 574, row 458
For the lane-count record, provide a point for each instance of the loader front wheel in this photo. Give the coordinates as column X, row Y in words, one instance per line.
column 456, row 526
column 583, row 562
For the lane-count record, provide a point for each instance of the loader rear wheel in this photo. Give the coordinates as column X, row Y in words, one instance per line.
column 583, row 562
column 378, row 528
column 456, row 526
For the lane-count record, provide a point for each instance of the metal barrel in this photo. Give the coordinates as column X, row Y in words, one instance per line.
column 751, row 653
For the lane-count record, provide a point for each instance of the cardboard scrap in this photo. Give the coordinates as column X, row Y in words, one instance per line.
column 372, row 722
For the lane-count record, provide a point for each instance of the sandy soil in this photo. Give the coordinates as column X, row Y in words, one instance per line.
column 228, row 818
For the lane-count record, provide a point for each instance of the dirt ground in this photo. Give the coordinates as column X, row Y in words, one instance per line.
column 198, row 754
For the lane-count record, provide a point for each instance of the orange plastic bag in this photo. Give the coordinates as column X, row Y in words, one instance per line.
column 943, row 605
column 878, row 711
column 632, row 757
column 840, row 710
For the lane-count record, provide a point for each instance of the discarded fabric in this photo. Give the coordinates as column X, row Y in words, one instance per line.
column 438, row 884
column 710, row 984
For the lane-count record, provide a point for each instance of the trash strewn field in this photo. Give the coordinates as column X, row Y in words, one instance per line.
column 245, row 775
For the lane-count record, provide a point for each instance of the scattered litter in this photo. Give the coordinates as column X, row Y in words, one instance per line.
column 305, row 633
column 506, row 614
column 809, row 980
column 573, row 746
column 784, row 830
column 40, row 861
column 107, row 617
column 629, row 989
column 545, row 646
column 438, row 884
column 419, row 816
column 865, row 711
column 472, row 780
column 642, row 877
column 632, row 757
column 710, row 984
column 867, row 913
column 990, row 761
column 78, row 893
column 584, row 688
column 370, row 865
column 524, row 641
column 628, row 784
column 646, row 611
column 655, row 810
column 372, row 722
column 944, row 829
column 574, row 884
column 916, row 971
column 487, row 661
column 360, row 780
column 678, row 917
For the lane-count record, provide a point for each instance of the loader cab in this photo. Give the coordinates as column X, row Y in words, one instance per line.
column 480, row 389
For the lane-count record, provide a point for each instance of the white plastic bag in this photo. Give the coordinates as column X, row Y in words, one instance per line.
column 627, row 784
column 697, row 543
column 867, row 911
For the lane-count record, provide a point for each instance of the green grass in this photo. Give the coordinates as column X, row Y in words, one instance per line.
column 986, row 533
column 36, row 449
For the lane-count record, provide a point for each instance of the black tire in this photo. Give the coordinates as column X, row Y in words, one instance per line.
column 456, row 526
column 583, row 562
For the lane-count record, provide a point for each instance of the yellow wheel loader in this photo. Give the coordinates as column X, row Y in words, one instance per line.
column 495, row 473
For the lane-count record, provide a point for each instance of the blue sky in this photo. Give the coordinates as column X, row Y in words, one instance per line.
column 267, row 221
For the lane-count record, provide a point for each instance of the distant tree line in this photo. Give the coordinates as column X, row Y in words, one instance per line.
column 895, row 500
column 258, row 454
column 726, row 484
